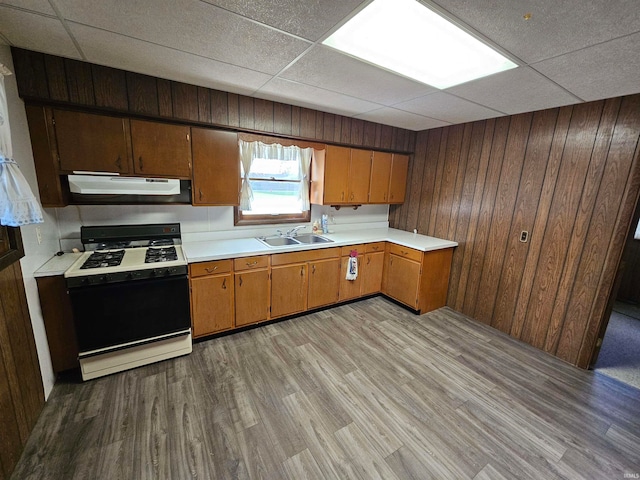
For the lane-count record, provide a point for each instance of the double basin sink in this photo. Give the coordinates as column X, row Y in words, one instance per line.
column 303, row 239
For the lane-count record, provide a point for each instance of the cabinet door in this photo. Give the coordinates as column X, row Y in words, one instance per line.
column 402, row 280
column 216, row 167
column 288, row 289
column 336, row 174
column 350, row 288
column 324, row 282
column 398, row 181
column 92, row 142
column 252, row 296
column 52, row 191
column 212, row 304
column 359, row 176
column 160, row 149
column 380, row 176
column 57, row 314
column 373, row 264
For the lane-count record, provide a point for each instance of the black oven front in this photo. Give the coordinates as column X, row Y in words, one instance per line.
column 112, row 316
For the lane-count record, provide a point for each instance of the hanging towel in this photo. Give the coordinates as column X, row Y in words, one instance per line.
column 352, row 266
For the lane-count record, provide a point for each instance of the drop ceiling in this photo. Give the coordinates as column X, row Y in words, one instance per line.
column 568, row 51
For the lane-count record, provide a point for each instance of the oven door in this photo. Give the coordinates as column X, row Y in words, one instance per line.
column 116, row 314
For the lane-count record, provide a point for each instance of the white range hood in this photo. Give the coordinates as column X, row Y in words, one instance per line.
column 116, row 185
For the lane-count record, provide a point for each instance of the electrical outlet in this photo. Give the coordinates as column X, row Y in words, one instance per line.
column 524, row 236
column 39, row 235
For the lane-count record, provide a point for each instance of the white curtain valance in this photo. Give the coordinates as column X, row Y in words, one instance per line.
column 18, row 205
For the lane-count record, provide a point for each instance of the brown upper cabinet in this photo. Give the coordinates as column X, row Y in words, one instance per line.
column 161, row 149
column 398, row 179
column 350, row 176
column 89, row 142
column 380, row 177
column 216, row 167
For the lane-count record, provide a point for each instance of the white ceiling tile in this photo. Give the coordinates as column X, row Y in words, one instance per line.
column 191, row 26
column 40, row 6
column 402, row 119
column 310, row 19
column 106, row 48
column 447, row 107
column 19, row 26
column 555, row 27
column 329, row 69
column 308, row 96
column 607, row 70
column 515, row 91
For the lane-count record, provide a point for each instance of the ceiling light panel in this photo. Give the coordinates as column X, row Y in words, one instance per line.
column 408, row 38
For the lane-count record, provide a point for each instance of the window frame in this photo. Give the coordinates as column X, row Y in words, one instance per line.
column 269, row 219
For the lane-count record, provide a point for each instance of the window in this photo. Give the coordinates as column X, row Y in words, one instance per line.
column 275, row 183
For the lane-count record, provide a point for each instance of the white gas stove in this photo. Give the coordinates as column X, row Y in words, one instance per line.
column 130, row 297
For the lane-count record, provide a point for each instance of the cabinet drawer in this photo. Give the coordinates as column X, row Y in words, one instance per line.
column 304, row 256
column 347, row 250
column 251, row 263
column 405, row 252
column 375, row 247
column 201, row 269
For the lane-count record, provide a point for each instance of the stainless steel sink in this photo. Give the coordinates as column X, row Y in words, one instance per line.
column 312, row 238
column 278, row 241
column 304, row 239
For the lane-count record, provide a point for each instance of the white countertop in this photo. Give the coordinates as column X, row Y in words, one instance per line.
column 246, row 247
column 57, row 265
column 202, row 251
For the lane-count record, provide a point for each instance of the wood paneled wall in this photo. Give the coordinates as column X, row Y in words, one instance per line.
column 569, row 176
column 62, row 81
column 21, row 391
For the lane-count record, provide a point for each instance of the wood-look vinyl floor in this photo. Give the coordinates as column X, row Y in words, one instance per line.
column 364, row 391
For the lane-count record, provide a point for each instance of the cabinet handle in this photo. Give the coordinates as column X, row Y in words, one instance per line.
column 224, row 284
column 211, row 270
column 200, row 190
column 119, row 163
column 351, row 198
column 313, row 269
column 140, row 164
column 240, row 280
column 403, row 252
column 375, row 248
column 368, row 260
column 187, row 137
column 252, row 264
column 391, row 261
column 302, row 271
column 342, row 196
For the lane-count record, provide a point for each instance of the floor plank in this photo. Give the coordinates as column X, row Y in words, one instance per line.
column 364, row 390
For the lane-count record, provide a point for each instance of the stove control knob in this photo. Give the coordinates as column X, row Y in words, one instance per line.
column 102, row 278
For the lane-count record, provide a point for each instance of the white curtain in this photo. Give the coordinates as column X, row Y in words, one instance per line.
column 18, row 205
column 305, row 168
column 251, row 150
column 246, row 158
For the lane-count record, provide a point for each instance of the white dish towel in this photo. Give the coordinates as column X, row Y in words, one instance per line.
column 352, row 267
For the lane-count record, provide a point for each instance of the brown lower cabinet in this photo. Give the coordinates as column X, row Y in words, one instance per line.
column 418, row 279
column 212, row 297
column 288, row 289
column 323, row 282
column 58, row 322
column 251, row 289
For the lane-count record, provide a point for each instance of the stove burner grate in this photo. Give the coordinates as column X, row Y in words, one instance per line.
column 103, row 259
column 161, row 254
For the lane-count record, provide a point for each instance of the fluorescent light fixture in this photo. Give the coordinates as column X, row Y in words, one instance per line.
column 408, row 38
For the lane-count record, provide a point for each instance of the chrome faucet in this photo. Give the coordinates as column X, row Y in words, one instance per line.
column 294, row 231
